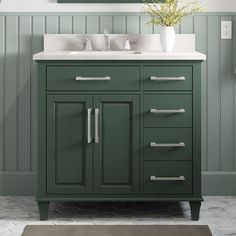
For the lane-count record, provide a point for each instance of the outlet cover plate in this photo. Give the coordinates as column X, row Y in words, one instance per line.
column 226, row 29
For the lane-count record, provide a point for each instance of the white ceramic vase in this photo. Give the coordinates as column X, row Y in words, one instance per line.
column 167, row 37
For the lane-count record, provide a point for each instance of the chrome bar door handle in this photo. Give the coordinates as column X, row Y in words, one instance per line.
column 81, row 78
column 167, row 111
column 96, row 125
column 89, row 125
column 156, row 178
column 167, row 145
column 156, row 78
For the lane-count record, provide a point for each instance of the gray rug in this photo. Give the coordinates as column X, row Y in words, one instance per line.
column 122, row 230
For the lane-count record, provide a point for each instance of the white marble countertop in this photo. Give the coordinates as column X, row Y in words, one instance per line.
column 117, row 55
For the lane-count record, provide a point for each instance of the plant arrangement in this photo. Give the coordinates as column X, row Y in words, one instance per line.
column 171, row 12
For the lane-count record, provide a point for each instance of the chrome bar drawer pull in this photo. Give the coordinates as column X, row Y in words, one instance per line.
column 155, row 78
column 80, row 78
column 167, row 111
column 89, row 125
column 163, row 145
column 96, row 125
column 156, row 178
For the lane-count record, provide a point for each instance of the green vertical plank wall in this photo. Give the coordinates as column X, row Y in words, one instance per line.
column 92, row 24
column 133, row 24
column 65, row 24
column 119, row 24
column 79, row 24
column 21, row 35
column 10, row 110
column 200, row 30
column 52, row 24
column 234, row 87
column 213, row 94
column 106, row 23
column 38, row 30
column 227, row 105
column 24, row 91
column 2, row 58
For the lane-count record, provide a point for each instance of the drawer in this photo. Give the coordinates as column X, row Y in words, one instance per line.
column 167, row 144
column 168, row 78
column 168, row 111
column 93, row 77
column 167, row 177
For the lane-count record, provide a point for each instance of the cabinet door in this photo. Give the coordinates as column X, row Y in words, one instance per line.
column 116, row 148
column 69, row 155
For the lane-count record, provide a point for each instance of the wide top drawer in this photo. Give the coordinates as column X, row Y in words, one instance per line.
column 91, row 77
column 168, row 78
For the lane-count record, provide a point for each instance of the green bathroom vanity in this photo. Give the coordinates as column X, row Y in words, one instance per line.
column 119, row 129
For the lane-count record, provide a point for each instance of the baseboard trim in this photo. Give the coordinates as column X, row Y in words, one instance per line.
column 25, row 183
column 219, row 183
column 18, row 183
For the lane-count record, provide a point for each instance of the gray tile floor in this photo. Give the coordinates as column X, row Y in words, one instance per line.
column 217, row 212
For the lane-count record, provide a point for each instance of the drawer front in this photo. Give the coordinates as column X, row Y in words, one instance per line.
column 167, row 144
column 167, row 177
column 93, row 77
column 168, row 78
column 167, row 110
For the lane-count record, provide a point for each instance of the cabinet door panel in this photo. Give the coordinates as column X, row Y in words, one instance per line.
column 116, row 155
column 69, row 156
column 116, row 139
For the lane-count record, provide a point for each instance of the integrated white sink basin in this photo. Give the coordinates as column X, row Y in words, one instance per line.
column 102, row 52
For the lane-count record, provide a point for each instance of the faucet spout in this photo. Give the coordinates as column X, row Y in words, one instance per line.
column 107, row 45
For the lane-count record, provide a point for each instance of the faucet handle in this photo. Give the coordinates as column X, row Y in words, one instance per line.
column 127, row 45
column 88, row 46
column 107, row 45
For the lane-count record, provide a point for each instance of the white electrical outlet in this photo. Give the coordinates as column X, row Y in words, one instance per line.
column 226, row 29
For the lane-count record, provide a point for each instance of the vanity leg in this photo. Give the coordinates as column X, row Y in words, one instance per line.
column 195, row 210
column 43, row 210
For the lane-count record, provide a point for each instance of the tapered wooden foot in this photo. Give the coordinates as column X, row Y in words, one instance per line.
column 43, row 210
column 195, row 210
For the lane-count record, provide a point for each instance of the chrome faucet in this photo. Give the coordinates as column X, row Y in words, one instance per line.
column 88, row 45
column 127, row 46
column 88, row 42
column 107, row 45
column 131, row 42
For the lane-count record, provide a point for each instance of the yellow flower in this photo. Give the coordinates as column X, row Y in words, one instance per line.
column 171, row 12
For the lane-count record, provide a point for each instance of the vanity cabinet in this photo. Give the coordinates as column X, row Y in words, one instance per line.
column 119, row 131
